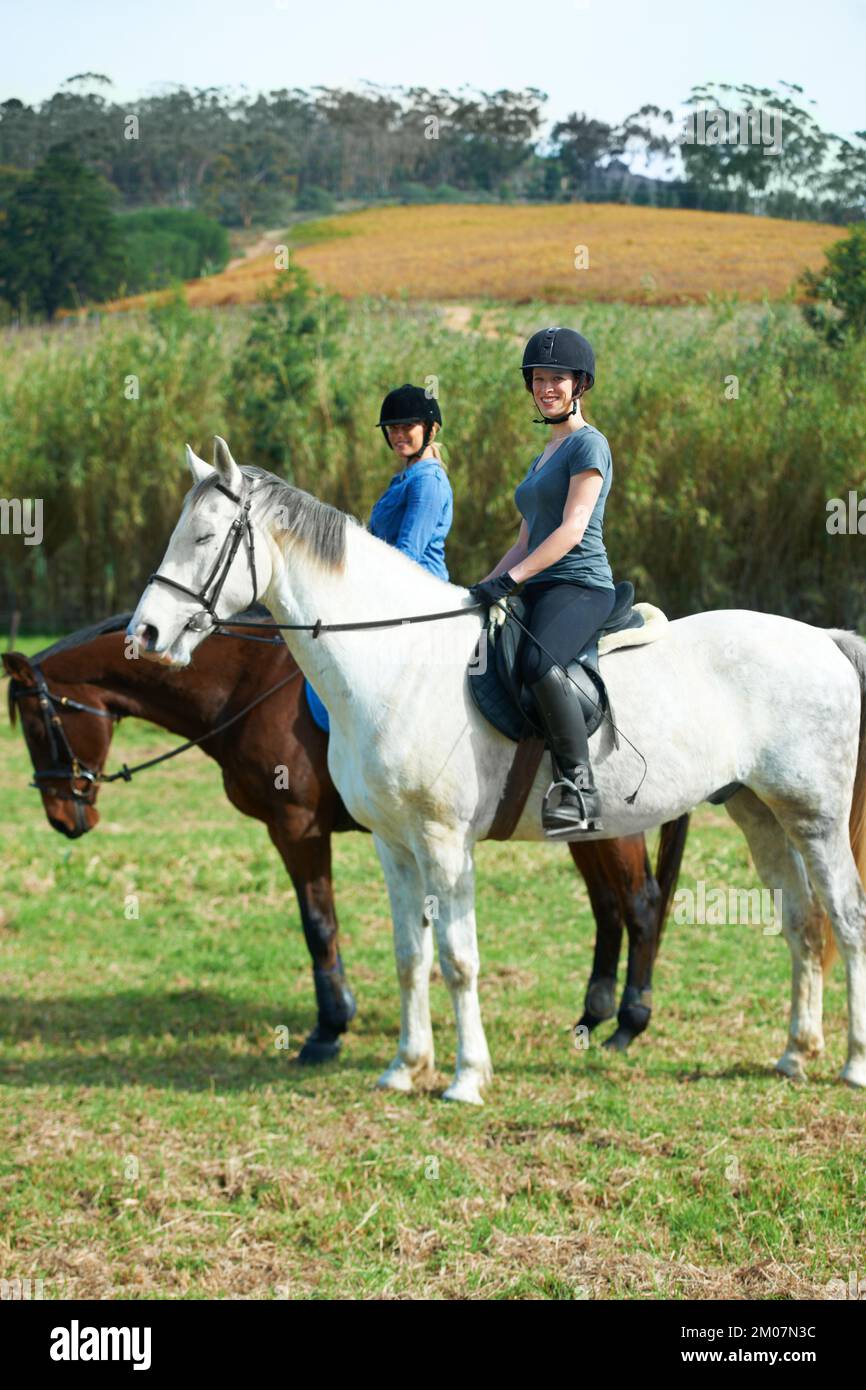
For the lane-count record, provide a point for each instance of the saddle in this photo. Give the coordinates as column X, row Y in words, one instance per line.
column 504, row 700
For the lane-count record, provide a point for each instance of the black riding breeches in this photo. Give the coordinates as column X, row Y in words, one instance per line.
column 563, row 616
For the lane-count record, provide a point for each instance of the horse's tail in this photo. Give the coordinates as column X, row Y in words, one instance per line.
column 854, row 648
column 672, row 842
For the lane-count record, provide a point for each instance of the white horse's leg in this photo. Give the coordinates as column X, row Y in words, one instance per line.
column 833, row 870
column 780, row 866
column 413, row 949
column 448, row 881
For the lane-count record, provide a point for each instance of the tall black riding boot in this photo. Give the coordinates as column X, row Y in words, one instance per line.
column 579, row 810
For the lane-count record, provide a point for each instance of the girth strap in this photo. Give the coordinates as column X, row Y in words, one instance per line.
column 521, row 775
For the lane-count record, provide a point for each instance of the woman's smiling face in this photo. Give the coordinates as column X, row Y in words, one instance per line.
column 406, row 440
column 552, row 390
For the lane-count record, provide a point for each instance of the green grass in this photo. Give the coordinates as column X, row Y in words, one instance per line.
column 313, row 231
column 157, row 1144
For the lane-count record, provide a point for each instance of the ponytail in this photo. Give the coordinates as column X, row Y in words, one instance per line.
column 431, row 444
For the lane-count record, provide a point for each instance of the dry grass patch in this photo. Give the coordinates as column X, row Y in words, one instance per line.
column 520, row 253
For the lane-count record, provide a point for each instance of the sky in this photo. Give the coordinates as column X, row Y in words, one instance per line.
column 603, row 57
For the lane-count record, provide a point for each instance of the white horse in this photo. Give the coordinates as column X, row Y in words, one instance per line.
column 726, row 697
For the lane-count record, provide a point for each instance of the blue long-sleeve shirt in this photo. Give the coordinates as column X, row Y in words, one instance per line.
column 415, row 512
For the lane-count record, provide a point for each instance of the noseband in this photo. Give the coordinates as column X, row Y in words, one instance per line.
column 241, row 527
column 72, row 769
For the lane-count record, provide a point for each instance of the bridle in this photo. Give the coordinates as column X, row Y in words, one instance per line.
column 209, row 619
column 241, row 528
column 73, row 770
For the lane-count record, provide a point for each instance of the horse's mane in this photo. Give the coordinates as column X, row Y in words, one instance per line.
column 84, row 634
column 298, row 514
column 116, row 623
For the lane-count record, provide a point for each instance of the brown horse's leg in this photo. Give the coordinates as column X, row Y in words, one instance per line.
column 605, row 900
column 640, row 897
column 308, row 862
column 645, row 900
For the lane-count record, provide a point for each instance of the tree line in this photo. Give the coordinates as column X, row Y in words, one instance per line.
column 62, row 244
column 245, row 159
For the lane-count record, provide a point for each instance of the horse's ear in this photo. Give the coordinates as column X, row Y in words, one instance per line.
column 225, row 465
column 197, row 467
column 17, row 665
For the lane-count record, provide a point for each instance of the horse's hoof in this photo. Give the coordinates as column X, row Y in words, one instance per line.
column 317, row 1050
column 854, row 1074
column 619, row 1041
column 396, row 1079
column 400, row 1076
column 466, row 1089
column 467, row 1084
column 790, row 1065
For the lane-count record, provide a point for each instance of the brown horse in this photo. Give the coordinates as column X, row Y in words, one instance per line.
column 243, row 700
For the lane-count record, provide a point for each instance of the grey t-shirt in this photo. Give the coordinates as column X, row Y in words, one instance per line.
column 540, row 499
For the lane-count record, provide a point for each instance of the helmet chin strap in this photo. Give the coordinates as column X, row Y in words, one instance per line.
column 559, row 419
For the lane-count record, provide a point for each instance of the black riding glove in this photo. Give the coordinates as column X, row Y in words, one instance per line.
column 489, row 590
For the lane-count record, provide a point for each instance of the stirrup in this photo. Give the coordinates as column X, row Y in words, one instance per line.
column 583, row 826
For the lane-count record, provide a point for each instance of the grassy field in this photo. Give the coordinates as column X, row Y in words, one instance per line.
column 157, row 1144
column 515, row 254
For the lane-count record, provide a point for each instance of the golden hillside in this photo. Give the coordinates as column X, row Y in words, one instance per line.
column 473, row 251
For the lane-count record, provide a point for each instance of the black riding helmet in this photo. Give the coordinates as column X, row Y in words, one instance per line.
column 562, row 348
column 406, row 405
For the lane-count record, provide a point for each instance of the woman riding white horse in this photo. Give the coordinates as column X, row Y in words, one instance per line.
column 559, row 556
column 764, row 707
